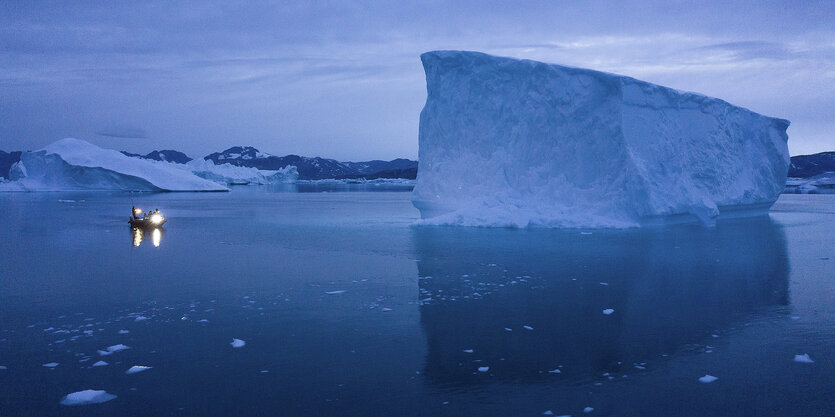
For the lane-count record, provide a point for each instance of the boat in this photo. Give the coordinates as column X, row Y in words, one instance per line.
column 151, row 220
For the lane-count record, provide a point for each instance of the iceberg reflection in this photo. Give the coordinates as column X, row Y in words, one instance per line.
column 596, row 303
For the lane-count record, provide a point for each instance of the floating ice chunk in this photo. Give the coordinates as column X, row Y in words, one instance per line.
column 238, row 343
column 3, row 368
column 123, row 332
column 101, row 363
column 336, row 292
column 66, row 201
column 508, row 329
column 608, row 311
column 50, row 365
column 113, row 349
column 137, row 368
column 548, row 413
column 202, row 321
column 385, row 309
column 588, row 410
column 483, row 368
column 468, row 351
column 140, row 318
column 604, row 283
column 707, row 379
column 555, row 371
column 804, row 358
column 526, row 327
column 88, row 396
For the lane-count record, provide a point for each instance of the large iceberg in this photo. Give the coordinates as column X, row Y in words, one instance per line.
column 72, row 164
column 506, row 142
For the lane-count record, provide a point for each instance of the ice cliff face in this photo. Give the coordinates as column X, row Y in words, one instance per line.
column 506, row 142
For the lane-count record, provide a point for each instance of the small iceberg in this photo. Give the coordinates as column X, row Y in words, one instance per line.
column 608, row 311
column 137, row 369
column 238, row 343
column 483, row 368
column 707, row 379
column 804, row 358
column 101, row 363
column 88, row 396
column 526, row 327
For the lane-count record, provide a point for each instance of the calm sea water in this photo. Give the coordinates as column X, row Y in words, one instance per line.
column 347, row 310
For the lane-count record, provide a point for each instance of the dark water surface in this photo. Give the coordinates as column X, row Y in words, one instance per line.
column 347, row 310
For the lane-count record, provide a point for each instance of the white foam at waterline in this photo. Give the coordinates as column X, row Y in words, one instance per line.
column 137, row 368
column 101, row 363
column 804, row 358
column 238, row 343
column 50, row 365
column 707, row 379
column 88, row 396
column 336, row 292
column 483, row 368
column 608, row 311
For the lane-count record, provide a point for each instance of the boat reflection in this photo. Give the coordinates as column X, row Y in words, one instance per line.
column 138, row 234
column 670, row 289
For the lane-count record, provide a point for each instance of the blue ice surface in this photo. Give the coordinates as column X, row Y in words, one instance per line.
column 258, row 264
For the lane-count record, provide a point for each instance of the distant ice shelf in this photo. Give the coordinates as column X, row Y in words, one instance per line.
column 507, row 142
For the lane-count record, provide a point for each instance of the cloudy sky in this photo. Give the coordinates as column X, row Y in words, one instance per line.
column 344, row 79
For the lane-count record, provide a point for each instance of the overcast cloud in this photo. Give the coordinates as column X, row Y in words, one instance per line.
column 344, row 80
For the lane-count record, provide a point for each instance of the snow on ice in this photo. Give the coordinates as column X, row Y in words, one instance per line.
column 72, row 164
column 88, row 396
column 506, row 142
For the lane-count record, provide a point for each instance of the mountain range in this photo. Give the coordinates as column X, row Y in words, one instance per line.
column 314, row 168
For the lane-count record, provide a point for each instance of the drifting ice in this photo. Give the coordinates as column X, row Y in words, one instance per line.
column 507, row 142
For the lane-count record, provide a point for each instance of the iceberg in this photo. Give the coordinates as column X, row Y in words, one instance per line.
column 240, row 175
column 72, row 164
column 517, row 143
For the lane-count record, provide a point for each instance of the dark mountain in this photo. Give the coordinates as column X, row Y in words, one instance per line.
column 805, row 166
column 166, row 155
column 7, row 159
column 379, row 166
column 310, row 168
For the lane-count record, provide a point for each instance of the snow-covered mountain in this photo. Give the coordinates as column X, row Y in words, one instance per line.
column 165, row 155
column 312, row 168
column 807, row 166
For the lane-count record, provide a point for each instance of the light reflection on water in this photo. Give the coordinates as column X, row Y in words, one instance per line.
column 670, row 290
column 138, row 235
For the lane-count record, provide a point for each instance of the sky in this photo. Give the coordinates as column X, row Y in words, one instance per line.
column 343, row 80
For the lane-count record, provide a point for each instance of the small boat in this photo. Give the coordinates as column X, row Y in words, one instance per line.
column 150, row 220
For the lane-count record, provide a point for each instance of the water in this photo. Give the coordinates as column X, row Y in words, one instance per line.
column 348, row 310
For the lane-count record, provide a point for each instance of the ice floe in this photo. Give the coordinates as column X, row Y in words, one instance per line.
column 88, row 396
column 707, row 379
column 526, row 327
column 238, row 343
column 483, row 368
column 804, row 358
column 50, row 365
column 137, row 368
column 113, row 349
column 588, row 410
column 608, row 311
